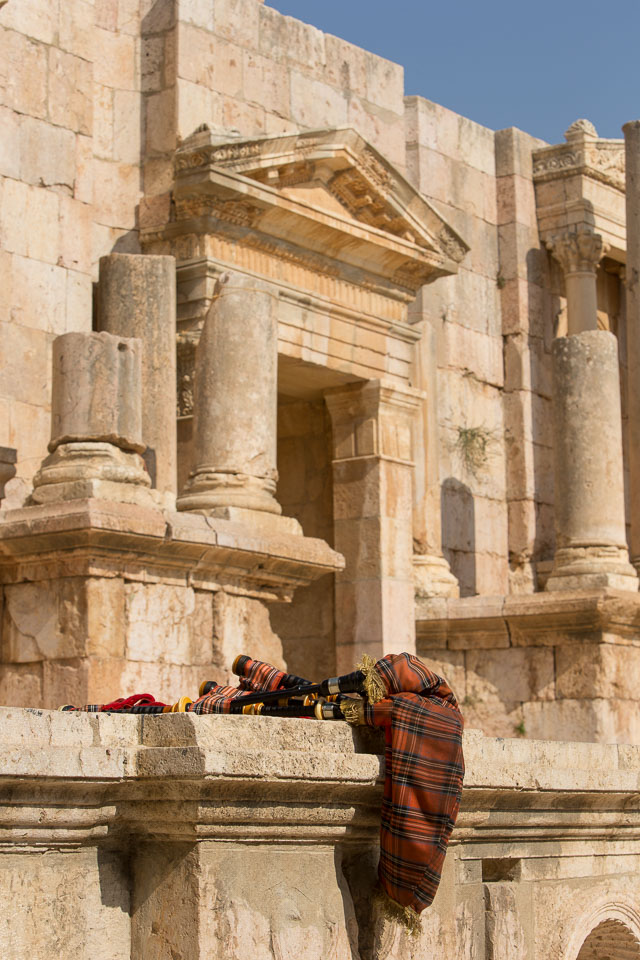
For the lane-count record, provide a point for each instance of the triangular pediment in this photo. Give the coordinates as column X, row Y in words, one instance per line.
column 327, row 191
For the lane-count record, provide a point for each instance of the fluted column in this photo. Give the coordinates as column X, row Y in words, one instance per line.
column 579, row 251
column 591, row 549
column 96, row 422
column 137, row 298
column 632, row 166
column 235, row 405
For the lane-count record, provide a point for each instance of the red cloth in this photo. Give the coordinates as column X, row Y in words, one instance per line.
column 424, row 768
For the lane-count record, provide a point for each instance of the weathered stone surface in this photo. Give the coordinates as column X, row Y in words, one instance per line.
column 591, row 545
column 137, row 298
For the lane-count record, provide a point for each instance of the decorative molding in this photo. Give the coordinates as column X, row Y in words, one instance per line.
column 386, row 225
column 582, row 155
column 578, row 249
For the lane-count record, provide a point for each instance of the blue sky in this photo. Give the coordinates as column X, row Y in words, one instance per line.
column 534, row 65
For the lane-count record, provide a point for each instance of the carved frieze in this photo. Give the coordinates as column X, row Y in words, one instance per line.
column 583, row 153
column 272, row 190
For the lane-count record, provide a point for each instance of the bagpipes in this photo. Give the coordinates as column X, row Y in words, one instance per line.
column 265, row 691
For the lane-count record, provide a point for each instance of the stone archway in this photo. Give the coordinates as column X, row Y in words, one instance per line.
column 610, row 940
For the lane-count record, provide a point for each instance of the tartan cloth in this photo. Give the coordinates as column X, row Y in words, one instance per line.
column 424, row 768
column 259, row 677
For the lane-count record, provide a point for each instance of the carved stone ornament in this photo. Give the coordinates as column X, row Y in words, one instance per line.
column 323, row 197
column 578, row 250
column 583, row 154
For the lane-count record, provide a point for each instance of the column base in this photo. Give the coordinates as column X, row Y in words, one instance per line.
column 88, row 469
column 267, row 524
column 433, row 577
column 207, row 491
column 588, row 568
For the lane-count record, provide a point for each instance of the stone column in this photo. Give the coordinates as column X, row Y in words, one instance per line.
column 96, row 422
column 432, row 575
column 236, row 406
column 579, row 251
column 632, row 166
column 591, row 549
column 137, row 298
column 373, row 518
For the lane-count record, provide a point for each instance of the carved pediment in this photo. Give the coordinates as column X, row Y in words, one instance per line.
column 326, row 194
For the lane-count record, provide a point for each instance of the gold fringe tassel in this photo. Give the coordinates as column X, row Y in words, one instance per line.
column 373, row 685
column 406, row 916
column 353, row 711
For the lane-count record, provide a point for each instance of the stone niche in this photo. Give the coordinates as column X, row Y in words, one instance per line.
column 345, row 243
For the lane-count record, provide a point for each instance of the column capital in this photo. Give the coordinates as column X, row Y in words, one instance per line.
column 578, row 249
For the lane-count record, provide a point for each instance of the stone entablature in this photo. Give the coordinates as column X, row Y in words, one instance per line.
column 582, row 181
column 336, row 229
column 228, row 836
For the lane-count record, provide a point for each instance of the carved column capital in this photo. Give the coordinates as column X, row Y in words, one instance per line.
column 578, row 249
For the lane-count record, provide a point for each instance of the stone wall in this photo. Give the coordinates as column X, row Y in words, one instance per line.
column 219, row 836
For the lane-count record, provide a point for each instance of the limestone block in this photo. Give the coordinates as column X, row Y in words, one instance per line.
column 604, row 670
column 513, row 675
column 241, row 625
column 10, row 145
column 316, row 104
column 76, row 223
column 298, row 917
column 491, row 575
column 527, row 365
column 46, row 153
column 76, row 29
column 160, row 121
column 21, row 684
column 211, row 62
column 517, row 200
column 70, row 94
column 513, row 152
column 83, row 183
column 79, row 299
column 33, row 347
column 509, row 924
column 345, row 66
column 114, row 63
column 193, row 102
column 168, row 624
column 88, row 916
column 265, row 82
column 127, row 126
column 383, row 129
column 23, row 72
column 165, row 915
column 37, row 295
column 116, row 192
column 596, row 720
column 236, row 20
column 57, row 619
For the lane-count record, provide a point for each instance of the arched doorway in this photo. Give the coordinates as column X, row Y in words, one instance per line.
column 610, row 940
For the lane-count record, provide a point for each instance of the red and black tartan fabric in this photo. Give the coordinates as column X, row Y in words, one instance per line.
column 260, row 677
column 424, row 768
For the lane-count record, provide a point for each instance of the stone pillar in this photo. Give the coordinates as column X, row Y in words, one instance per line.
column 96, row 422
column 373, row 518
column 432, row 575
column 632, row 166
column 236, row 405
column 591, row 550
column 579, row 251
column 137, row 298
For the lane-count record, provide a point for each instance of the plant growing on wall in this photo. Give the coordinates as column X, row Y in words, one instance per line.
column 472, row 445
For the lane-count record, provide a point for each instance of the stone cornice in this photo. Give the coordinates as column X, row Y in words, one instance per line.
column 529, row 620
column 601, row 160
column 77, row 778
column 103, row 538
column 326, row 193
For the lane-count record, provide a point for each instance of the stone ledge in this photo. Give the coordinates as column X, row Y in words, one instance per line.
column 539, row 619
column 95, row 537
